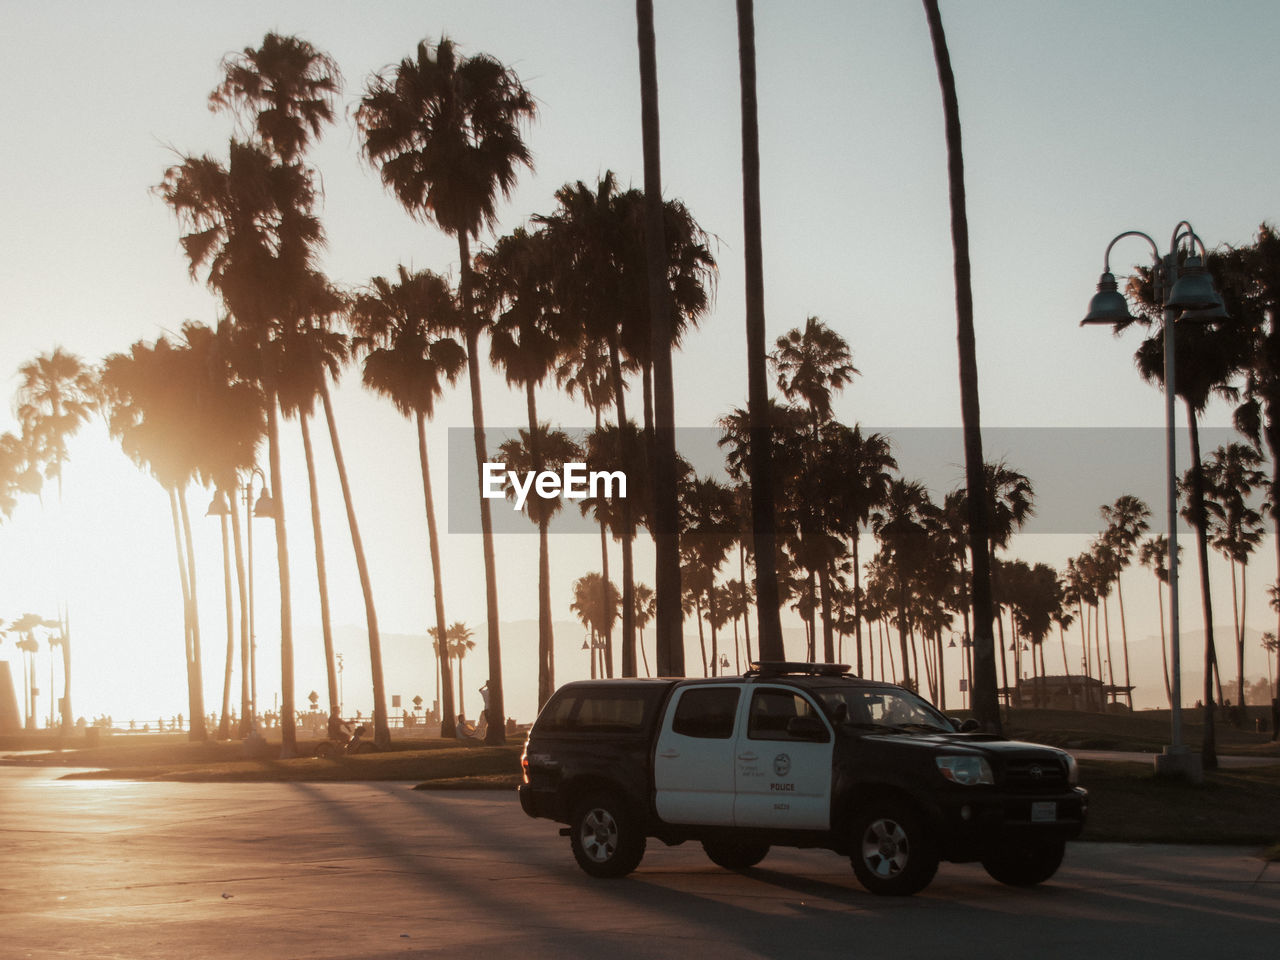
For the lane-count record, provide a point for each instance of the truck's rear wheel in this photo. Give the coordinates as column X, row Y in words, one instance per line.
column 892, row 851
column 605, row 836
column 1025, row 864
column 735, row 854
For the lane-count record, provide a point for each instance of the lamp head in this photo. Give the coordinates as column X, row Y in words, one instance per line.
column 1193, row 289
column 266, row 505
column 218, row 506
column 1108, row 305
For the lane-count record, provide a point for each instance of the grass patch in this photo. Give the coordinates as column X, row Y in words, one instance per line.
column 1128, row 803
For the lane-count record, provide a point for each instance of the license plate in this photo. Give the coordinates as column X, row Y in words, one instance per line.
column 1044, row 812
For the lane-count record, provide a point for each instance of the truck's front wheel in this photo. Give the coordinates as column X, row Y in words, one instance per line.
column 605, row 836
column 892, row 851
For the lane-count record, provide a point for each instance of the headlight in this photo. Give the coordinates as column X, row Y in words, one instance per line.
column 965, row 770
column 1073, row 770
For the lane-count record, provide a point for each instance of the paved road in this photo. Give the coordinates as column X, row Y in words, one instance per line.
column 103, row 869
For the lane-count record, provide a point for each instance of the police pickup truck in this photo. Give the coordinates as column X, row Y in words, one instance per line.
column 801, row 755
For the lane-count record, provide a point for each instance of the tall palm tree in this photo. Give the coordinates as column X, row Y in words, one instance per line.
column 458, row 643
column 18, row 472
column 646, row 607
column 907, row 525
column 542, row 449
column 54, row 399
column 584, row 369
column 148, row 402
column 1126, row 522
column 596, row 605
column 444, row 132
column 1235, row 529
column 670, row 615
column 525, row 341
column 985, row 706
column 1154, row 553
column 400, row 327
column 287, row 89
column 868, row 467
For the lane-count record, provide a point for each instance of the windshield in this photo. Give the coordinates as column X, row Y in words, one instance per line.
column 877, row 707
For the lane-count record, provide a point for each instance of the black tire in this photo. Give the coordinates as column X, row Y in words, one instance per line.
column 605, row 836
column 325, row 749
column 735, row 854
column 366, row 746
column 892, row 852
column 1025, row 864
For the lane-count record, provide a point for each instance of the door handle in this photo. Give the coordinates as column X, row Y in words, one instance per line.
column 669, row 754
column 747, row 756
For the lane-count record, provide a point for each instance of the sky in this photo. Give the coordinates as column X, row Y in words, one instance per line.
column 1080, row 121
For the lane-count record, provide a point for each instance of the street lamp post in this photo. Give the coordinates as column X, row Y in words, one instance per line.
column 1185, row 294
column 264, row 506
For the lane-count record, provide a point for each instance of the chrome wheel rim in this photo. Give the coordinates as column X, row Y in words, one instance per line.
column 885, row 848
column 599, row 835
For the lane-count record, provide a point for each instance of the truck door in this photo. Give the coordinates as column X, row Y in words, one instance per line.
column 783, row 763
column 693, row 765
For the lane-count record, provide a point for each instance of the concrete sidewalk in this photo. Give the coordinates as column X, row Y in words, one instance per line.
column 247, row 871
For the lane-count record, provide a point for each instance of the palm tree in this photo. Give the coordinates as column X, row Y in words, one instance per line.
column 541, row 449
column 1154, row 553
column 585, row 370
column 907, row 524
column 250, row 226
column 867, row 468
column 287, row 89
column 18, row 473
column 1126, row 522
column 1235, row 529
column 763, row 509
column 985, row 707
column 526, row 340
column 400, row 328
column 646, row 607
column 148, row 397
column 670, row 614
column 596, row 604
column 54, row 400
column 445, row 134
column 458, row 643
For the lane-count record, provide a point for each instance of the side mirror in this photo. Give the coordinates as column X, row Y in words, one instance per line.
column 965, row 726
column 807, row 728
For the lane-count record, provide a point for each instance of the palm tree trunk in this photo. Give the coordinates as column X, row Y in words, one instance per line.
column 448, row 715
column 67, row 723
column 546, row 638
column 1209, row 746
column 857, row 600
column 287, row 718
column 986, row 708
column 246, row 709
column 746, row 599
column 224, row 724
column 1124, row 641
column 669, row 619
column 628, row 527
column 702, row 642
column 606, row 651
column 381, row 730
column 322, row 576
column 1244, row 596
column 1164, row 643
column 828, row 638
column 196, row 728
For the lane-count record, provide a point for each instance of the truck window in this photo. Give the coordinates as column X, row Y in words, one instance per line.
column 770, row 711
column 706, row 712
column 595, row 712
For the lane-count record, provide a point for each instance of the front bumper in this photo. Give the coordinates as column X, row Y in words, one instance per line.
column 970, row 826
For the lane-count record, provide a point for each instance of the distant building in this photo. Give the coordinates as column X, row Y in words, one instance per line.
column 1068, row 693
